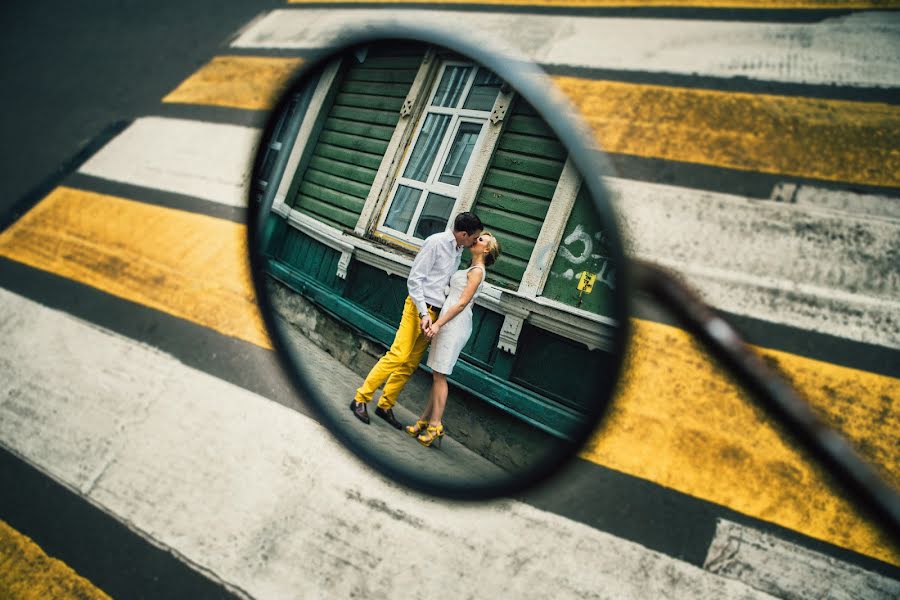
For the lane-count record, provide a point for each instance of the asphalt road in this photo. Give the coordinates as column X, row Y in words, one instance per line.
column 74, row 76
column 70, row 71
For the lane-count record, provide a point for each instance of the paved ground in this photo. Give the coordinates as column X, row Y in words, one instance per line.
column 142, row 394
column 75, row 70
column 337, row 384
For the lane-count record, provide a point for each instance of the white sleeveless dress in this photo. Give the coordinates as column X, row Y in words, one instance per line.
column 453, row 336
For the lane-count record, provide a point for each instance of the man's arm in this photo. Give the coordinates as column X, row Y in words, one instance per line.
column 415, row 283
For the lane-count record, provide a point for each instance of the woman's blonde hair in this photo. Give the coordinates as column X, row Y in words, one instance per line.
column 493, row 247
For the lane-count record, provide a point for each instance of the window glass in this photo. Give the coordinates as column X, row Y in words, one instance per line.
column 484, row 91
column 402, row 208
column 451, row 86
column 426, row 147
column 460, row 152
column 439, row 156
column 434, row 215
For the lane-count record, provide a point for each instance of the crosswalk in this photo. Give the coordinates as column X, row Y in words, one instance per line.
column 856, row 50
column 759, row 111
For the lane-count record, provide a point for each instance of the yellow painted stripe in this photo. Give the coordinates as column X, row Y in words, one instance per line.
column 760, row 4
column 250, row 82
column 677, row 421
column 853, row 142
column 836, row 140
column 189, row 265
column 27, row 573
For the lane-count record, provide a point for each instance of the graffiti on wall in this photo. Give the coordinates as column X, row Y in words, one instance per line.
column 578, row 249
column 582, row 274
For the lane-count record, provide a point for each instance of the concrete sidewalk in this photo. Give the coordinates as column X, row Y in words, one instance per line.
column 337, row 385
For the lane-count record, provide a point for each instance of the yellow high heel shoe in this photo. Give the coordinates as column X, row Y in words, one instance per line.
column 416, row 429
column 434, row 433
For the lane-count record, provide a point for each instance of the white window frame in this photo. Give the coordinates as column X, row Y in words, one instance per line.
column 458, row 116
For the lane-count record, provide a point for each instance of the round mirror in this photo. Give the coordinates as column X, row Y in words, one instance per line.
column 437, row 262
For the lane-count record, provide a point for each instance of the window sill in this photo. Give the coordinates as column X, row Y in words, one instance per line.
column 594, row 331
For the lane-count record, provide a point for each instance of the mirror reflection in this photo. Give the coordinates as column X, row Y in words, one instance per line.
column 438, row 271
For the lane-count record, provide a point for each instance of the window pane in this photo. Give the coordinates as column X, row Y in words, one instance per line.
column 426, row 148
column 434, row 215
column 484, row 91
column 451, row 86
column 402, row 208
column 460, row 152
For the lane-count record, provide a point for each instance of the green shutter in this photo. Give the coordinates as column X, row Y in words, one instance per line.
column 517, row 188
column 335, row 178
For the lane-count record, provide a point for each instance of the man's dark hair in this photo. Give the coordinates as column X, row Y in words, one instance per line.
column 468, row 222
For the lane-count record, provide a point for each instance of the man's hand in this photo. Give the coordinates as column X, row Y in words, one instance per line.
column 426, row 323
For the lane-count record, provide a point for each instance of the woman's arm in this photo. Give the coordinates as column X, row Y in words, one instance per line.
column 474, row 278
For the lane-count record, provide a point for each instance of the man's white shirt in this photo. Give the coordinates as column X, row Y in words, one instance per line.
column 430, row 273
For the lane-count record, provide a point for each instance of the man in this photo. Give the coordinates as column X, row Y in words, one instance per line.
column 428, row 277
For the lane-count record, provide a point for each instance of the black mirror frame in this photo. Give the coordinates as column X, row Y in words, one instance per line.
column 537, row 89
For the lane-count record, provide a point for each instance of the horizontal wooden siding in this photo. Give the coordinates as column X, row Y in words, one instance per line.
column 338, row 174
column 517, row 189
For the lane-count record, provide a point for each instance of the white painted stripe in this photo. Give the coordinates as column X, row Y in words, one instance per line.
column 263, row 498
column 802, row 265
column 807, row 265
column 867, row 204
column 789, row 571
column 853, row 50
column 205, row 160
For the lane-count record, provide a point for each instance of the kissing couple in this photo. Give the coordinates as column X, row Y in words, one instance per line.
column 432, row 314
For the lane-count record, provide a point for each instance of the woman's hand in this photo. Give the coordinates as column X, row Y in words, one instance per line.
column 432, row 331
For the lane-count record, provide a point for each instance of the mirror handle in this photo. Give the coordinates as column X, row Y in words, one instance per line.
column 770, row 389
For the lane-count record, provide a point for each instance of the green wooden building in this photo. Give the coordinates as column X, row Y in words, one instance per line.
column 382, row 151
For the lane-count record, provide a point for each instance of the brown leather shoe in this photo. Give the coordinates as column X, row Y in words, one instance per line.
column 388, row 415
column 360, row 411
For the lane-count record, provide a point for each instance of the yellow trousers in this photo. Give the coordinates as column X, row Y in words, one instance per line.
column 398, row 364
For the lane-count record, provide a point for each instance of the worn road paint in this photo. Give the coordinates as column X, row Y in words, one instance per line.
column 212, row 161
column 660, row 427
column 680, row 422
column 248, row 82
column 804, row 265
column 789, row 571
column 873, row 205
column 832, row 140
column 27, row 573
column 262, row 498
column 849, row 50
column 798, row 265
column 188, row 265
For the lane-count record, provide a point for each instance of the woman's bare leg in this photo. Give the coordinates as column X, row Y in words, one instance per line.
column 438, row 398
column 429, row 406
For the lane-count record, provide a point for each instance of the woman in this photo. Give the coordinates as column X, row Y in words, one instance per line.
column 450, row 332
